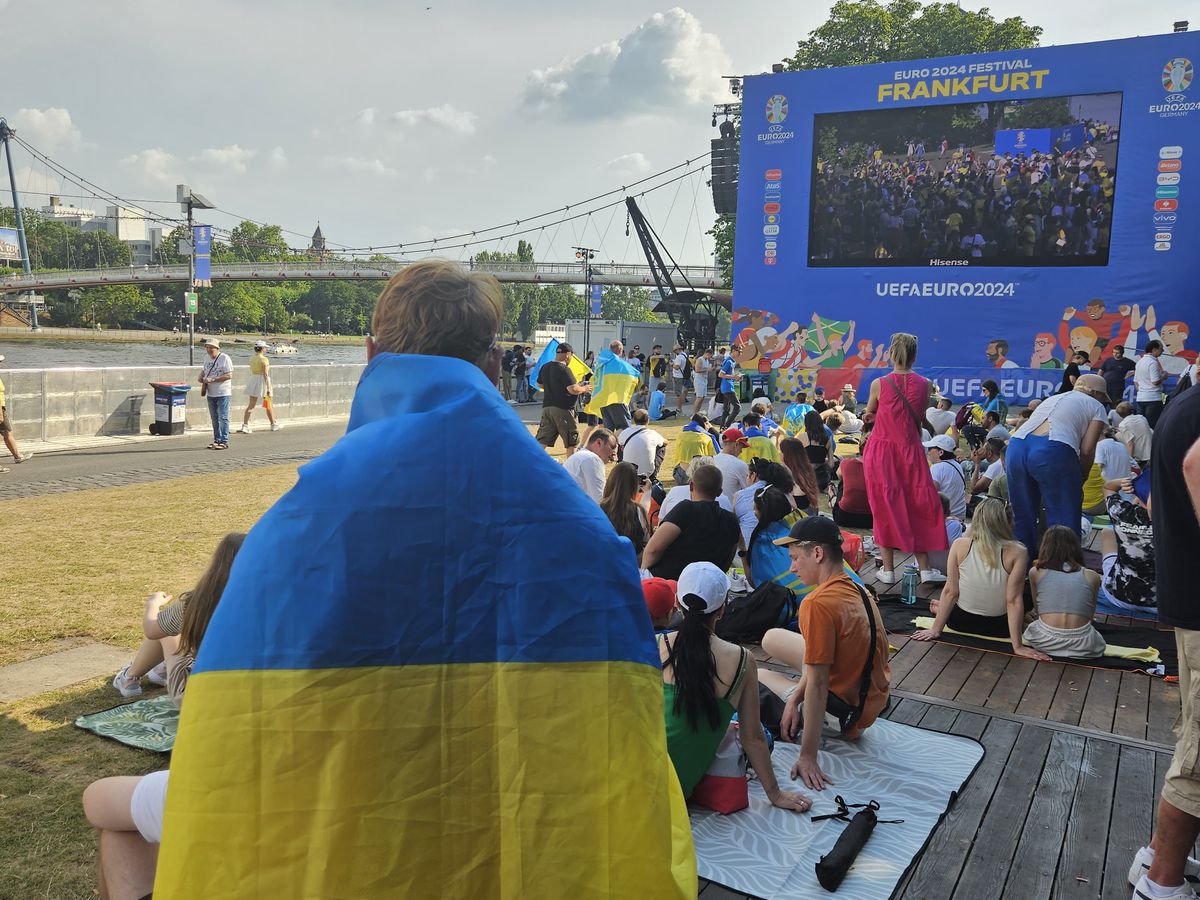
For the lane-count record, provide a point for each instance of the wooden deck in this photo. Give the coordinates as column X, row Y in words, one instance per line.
column 1067, row 790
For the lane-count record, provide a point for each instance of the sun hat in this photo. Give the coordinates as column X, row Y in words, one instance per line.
column 260, row 345
column 212, row 342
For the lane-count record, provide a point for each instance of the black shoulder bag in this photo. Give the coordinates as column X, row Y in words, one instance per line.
column 846, row 714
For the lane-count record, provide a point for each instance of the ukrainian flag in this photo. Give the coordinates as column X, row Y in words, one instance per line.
column 577, row 366
column 615, row 382
column 449, row 689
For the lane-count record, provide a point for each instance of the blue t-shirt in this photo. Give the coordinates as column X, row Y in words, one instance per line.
column 725, row 385
column 657, row 401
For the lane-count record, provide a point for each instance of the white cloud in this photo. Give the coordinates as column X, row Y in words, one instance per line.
column 360, row 165
column 627, row 164
column 445, row 117
column 230, row 159
column 32, row 180
column 366, row 118
column 47, row 129
column 667, row 61
column 277, row 159
column 156, row 164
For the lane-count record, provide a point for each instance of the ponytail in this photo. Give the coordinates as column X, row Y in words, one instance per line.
column 771, row 505
column 693, row 665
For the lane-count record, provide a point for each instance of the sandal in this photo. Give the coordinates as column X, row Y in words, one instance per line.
column 212, row 446
column 221, row 447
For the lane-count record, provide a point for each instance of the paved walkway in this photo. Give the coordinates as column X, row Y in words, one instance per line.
column 60, row 670
column 87, row 463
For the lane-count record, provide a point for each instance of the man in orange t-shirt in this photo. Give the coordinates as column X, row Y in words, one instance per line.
column 830, row 651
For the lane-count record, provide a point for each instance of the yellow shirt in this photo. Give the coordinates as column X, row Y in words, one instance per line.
column 1093, row 487
column 1, row 393
column 259, row 364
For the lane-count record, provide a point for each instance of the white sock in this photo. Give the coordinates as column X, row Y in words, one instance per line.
column 1156, row 890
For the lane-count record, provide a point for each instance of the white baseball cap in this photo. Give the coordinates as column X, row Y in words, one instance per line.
column 704, row 581
column 942, row 442
column 260, row 345
column 760, row 401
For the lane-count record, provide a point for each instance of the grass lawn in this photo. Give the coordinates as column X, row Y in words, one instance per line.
column 77, row 570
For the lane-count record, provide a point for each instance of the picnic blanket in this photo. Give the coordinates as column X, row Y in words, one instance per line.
column 772, row 853
column 148, row 724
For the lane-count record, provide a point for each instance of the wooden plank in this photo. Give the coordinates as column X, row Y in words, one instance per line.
column 908, row 712
column 1101, row 700
column 970, row 725
column 939, row 718
column 908, row 656
column 937, row 870
column 1129, row 827
column 1081, row 868
column 927, row 670
column 983, row 679
column 1133, row 698
column 956, row 673
column 1163, row 711
column 1067, row 705
column 1032, row 875
column 1011, row 687
column 992, row 852
column 1039, row 693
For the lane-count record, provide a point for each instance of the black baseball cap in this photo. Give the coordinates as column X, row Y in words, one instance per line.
column 564, row 347
column 813, row 529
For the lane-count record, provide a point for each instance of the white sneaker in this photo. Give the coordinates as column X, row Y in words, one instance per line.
column 932, row 576
column 24, row 457
column 127, row 684
column 158, row 675
column 886, row 576
column 245, row 429
column 275, row 426
column 1141, row 891
column 1143, row 858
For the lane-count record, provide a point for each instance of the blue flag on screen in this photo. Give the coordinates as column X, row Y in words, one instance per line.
column 202, row 250
column 597, row 293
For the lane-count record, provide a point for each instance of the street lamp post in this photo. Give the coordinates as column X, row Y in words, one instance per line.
column 190, row 200
column 585, row 255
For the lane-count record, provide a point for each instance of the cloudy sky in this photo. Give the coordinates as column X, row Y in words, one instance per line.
column 398, row 121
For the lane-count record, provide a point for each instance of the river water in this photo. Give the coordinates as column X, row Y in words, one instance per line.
column 32, row 354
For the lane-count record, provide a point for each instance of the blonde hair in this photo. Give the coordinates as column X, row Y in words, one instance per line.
column 991, row 532
column 697, row 462
column 904, row 349
column 436, row 308
column 203, row 598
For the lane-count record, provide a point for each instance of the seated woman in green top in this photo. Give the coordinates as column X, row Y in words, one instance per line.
column 705, row 681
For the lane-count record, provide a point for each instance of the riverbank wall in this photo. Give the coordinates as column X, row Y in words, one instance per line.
column 132, row 335
column 45, row 404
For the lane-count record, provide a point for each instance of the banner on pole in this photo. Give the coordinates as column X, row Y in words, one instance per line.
column 191, row 302
column 202, row 241
column 10, row 244
column 597, row 294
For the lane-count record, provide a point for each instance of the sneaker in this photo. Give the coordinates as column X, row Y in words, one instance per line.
column 932, row 576
column 886, row 576
column 245, row 429
column 275, row 426
column 24, row 457
column 127, row 684
column 1143, row 858
column 158, row 675
column 4, row 469
column 1141, row 891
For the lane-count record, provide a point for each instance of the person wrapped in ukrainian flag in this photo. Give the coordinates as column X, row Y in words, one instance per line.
column 449, row 687
column 613, row 385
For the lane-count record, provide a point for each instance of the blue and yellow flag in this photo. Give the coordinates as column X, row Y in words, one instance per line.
column 615, row 382
column 577, row 366
column 450, row 687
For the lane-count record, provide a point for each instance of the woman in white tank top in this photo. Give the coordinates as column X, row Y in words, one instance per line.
column 985, row 580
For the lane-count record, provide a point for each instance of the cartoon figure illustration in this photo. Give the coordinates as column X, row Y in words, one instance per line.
column 1080, row 340
column 1043, row 352
column 863, row 359
column 1173, row 335
column 1177, row 358
column 1110, row 328
column 997, row 354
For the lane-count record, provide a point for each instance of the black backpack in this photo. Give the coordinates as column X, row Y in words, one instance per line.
column 747, row 619
column 687, row 367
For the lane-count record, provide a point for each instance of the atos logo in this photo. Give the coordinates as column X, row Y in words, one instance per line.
column 771, row 186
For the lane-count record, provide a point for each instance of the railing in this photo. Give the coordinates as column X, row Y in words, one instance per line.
column 708, row 277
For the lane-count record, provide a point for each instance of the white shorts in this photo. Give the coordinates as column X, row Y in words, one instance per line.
column 255, row 386
column 147, row 805
column 700, row 384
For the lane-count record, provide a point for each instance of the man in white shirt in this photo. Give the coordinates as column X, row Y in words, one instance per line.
column 1148, row 378
column 586, row 466
column 735, row 474
column 700, row 371
column 942, row 417
column 1114, row 458
column 1136, row 434
column 216, row 377
column 678, row 364
column 643, row 446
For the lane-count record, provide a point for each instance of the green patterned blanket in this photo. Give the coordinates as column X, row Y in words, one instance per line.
column 146, row 724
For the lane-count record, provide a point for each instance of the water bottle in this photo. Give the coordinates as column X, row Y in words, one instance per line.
column 912, row 576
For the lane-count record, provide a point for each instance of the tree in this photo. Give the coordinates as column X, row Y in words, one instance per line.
column 1042, row 112
column 862, row 32
column 112, row 305
column 629, row 303
column 250, row 242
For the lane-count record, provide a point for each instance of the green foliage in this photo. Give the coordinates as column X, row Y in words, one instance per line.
column 1043, row 112
column 250, row 242
column 113, row 306
column 629, row 303
column 722, row 234
column 301, row 322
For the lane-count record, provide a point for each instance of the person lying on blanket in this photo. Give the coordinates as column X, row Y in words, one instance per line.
column 985, row 581
column 843, row 672
column 1064, row 598
column 705, row 681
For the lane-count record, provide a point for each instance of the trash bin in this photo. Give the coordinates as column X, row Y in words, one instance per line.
column 751, row 381
column 170, row 407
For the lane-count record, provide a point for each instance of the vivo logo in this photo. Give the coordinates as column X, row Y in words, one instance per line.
column 1165, row 218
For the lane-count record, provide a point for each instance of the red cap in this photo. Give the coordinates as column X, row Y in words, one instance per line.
column 660, row 597
column 735, row 434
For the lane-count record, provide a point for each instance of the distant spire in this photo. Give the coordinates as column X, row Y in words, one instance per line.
column 318, row 241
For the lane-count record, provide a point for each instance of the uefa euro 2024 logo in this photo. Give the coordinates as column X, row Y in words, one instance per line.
column 1177, row 75
column 777, row 109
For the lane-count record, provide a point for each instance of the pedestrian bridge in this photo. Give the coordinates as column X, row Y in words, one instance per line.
column 700, row 277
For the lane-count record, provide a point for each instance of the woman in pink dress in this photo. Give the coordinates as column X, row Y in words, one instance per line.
column 905, row 506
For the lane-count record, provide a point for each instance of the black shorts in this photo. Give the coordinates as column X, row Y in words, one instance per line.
column 615, row 416
column 973, row 623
